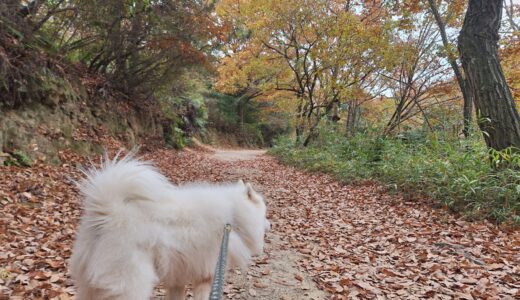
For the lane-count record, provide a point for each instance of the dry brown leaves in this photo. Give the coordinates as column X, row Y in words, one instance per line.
column 39, row 210
column 357, row 242
column 362, row 243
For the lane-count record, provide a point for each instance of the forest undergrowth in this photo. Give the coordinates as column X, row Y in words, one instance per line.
column 461, row 175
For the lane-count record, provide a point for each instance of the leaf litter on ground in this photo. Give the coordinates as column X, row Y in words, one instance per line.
column 355, row 242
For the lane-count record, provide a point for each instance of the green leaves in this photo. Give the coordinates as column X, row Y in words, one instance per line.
column 507, row 158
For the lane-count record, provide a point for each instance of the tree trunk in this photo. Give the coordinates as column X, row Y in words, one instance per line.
column 313, row 134
column 463, row 82
column 332, row 111
column 353, row 113
column 478, row 46
column 299, row 121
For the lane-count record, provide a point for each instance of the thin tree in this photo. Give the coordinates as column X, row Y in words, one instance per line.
column 478, row 45
column 461, row 80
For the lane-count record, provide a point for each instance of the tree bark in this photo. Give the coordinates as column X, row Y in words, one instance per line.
column 299, row 120
column 463, row 83
column 478, row 46
column 352, row 117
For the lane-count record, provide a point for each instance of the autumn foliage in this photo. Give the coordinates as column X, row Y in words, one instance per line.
column 340, row 61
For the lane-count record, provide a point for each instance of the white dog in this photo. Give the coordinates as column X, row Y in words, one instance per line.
column 138, row 230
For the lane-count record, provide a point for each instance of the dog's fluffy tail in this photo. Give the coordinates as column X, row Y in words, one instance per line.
column 114, row 188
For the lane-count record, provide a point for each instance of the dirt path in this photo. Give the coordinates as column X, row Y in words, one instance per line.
column 275, row 275
column 235, row 155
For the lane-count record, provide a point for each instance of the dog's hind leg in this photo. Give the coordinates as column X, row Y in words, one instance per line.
column 138, row 278
column 131, row 276
column 86, row 293
column 175, row 293
column 141, row 288
column 202, row 290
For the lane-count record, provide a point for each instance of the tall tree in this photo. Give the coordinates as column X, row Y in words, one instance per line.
column 418, row 73
column 478, row 46
column 461, row 80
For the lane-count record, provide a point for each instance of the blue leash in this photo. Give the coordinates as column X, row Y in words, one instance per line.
column 217, row 287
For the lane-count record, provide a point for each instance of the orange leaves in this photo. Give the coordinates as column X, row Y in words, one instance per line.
column 317, row 52
column 510, row 57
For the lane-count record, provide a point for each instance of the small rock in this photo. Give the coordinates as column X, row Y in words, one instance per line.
column 306, row 286
column 252, row 292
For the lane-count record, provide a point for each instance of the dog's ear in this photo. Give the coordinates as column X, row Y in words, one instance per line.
column 241, row 182
column 251, row 194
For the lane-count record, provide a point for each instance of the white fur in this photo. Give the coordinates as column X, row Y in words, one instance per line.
column 138, row 230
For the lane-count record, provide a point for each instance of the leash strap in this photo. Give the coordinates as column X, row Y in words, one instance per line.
column 217, row 287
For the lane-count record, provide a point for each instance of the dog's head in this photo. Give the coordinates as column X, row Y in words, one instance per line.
column 254, row 220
